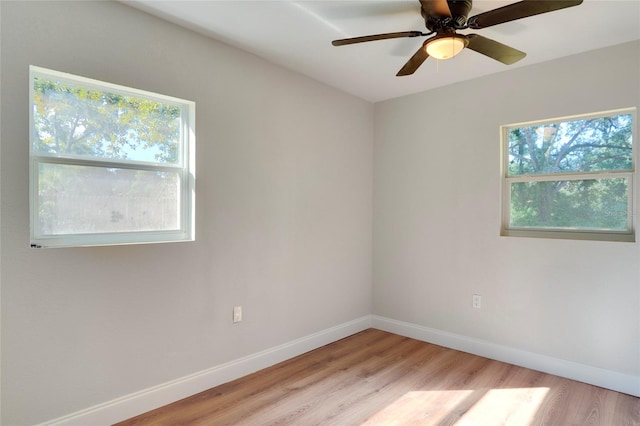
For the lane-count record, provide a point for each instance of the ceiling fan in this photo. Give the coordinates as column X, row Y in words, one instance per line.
column 444, row 17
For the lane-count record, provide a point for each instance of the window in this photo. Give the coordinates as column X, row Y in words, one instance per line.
column 570, row 177
column 108, row 164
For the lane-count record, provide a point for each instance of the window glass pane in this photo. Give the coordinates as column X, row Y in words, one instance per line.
column 70, row 119
column 590, row 204
column 590, row 144
column 82, row 199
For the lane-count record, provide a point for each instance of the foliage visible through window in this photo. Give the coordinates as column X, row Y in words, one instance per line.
column 109, row 165
column 573, row 176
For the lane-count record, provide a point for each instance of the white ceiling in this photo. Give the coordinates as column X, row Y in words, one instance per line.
column 298, row 34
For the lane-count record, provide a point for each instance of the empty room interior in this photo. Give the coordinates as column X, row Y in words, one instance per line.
column 321, row 206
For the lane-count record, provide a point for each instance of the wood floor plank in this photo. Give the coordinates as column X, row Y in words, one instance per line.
column 379, row 378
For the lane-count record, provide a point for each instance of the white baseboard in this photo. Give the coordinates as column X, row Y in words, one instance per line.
column 608, row 379
column 148, row 399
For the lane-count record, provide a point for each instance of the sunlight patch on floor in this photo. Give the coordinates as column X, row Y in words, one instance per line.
column 516, row 406
column 420, row 406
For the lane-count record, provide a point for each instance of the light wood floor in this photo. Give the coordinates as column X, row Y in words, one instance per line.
column 378, row 378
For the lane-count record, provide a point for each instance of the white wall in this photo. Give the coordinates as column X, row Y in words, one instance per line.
column 437, row 219
column 284, row 195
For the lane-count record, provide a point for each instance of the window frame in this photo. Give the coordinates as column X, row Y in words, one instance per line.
column 185, row 168
column 627, row 235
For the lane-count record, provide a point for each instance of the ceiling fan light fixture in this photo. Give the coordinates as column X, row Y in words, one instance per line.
column 446, row 47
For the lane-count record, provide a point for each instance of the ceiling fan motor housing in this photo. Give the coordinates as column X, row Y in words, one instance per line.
column 459, row 10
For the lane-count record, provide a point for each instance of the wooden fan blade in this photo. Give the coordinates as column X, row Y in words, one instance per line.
column 374, row 37
column 436, row 7
column 522, row 9
column 491, row 48
column 414, row 62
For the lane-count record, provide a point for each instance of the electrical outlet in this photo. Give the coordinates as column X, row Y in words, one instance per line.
column 477, row 301
column 237, row 314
